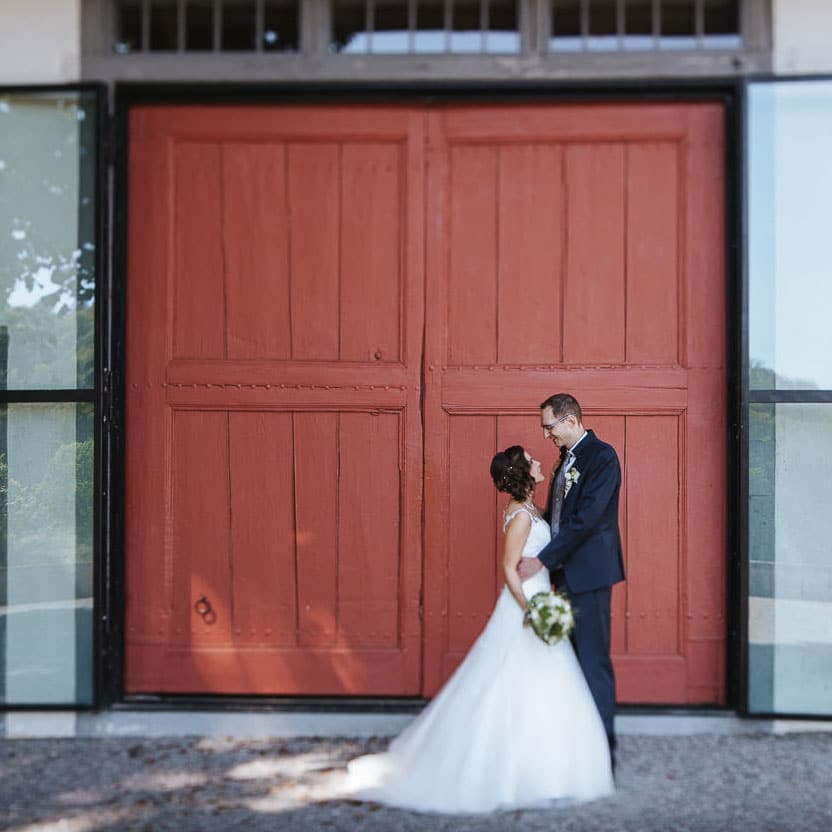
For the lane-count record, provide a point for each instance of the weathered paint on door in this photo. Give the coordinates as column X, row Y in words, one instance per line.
column 274, row 456
column 290, row 270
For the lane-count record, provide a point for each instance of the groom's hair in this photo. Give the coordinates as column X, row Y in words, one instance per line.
column 562, row 404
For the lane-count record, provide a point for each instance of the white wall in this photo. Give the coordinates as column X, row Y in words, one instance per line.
column 802, row 32
column 40, row 41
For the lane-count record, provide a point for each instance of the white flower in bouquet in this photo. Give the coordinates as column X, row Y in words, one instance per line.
column 550, row 616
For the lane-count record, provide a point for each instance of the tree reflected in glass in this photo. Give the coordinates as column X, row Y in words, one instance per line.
column 47, row 242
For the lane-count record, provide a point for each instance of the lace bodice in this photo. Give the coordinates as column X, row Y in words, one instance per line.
column 539, row 533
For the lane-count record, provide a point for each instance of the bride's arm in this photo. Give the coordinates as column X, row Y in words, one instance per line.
column 516, row 533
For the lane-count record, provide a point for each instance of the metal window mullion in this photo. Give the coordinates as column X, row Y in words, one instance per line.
column 483, row 24
column 621, row 21
column 699, row 23
column 584, row 12
column 316, row 25
column 527, row 16
column 77, row 395
column 448, row 23
column 370, row 17
column 657, row 23
column 411, row 25
column 180, row 25
column 216, row 28
column 259, row 23
column 145, row 25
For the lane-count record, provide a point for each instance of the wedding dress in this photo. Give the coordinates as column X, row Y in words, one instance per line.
column 515, row 726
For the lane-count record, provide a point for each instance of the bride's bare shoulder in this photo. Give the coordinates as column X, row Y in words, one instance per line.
column 516, row 514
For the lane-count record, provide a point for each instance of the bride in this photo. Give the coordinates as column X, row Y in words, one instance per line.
column 516, row 725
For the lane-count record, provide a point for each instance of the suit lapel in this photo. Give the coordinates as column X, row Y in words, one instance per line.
column 582, row 452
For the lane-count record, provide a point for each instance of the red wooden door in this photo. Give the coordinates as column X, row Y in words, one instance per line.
column 278, row 382
column 274, row 456
column 580, row 248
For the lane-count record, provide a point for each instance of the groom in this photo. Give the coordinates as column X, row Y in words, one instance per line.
column 585, row 550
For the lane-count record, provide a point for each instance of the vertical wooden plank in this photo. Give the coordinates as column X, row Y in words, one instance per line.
column 371, row 252
column 316, row 521
column 413, row 300
column 198, row 280
column 652, row 253
column 255, row 235
column 435, row 417
column 368, row 530
column 202, row 560
column 704, row 251
column 530, row 224
column 704, row 342
column 263, row 529
column 314, row 247
column 471, row 549
column 147, row 604
column 472, row 282
column 653, row 534
column 594, row 296
column 704, row 528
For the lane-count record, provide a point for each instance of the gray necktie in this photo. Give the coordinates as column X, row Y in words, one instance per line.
column 557, row 496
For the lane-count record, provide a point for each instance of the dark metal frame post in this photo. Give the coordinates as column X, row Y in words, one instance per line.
column 77, row 395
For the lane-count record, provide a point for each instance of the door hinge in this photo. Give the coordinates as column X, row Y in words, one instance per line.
column 108, row 410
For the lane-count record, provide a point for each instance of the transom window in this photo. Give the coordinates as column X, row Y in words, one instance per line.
column 733, row 33
column 644, row 24
column 432, row 26
column 207, row 26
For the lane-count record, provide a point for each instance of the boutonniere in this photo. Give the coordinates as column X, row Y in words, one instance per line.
column 572, row 476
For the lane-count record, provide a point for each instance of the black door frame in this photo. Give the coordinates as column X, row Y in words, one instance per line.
column 110, row 498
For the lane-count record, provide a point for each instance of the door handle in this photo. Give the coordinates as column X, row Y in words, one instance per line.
column 203, row 607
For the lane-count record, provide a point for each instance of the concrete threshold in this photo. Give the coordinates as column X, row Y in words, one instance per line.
column 251, row 724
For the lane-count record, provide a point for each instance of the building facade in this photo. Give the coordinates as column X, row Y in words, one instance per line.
column 280, row 277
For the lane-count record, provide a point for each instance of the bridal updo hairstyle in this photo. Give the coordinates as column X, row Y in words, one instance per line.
column 511, row 473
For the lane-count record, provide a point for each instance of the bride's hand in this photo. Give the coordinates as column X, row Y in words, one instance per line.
column 528, row 567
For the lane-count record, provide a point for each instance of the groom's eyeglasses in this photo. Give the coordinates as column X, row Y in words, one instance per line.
column 552, row 425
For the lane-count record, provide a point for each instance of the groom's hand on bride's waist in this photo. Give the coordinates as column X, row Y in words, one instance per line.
column 528, row 567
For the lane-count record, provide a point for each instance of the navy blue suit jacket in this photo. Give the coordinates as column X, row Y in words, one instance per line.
column 588, row 543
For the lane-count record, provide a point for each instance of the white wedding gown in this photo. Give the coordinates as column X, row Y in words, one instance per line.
column 515, row 726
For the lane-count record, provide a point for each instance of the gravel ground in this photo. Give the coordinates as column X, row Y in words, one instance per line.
column 758, row 783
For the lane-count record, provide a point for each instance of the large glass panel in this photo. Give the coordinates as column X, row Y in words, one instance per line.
column 47, row 291
column 280, row 26
column 199, row 26
column 47, row 238
column 46, row 531
column 567, row 33
column 789, row 202
column 677, row 24
column 349, row 27
column 790, row 569
column 239, row 26
column 164, row 25
column 503, row 33
column 391, row 30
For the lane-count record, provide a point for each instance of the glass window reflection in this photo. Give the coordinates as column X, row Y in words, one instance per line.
column 47, row 239
column 46, row 553
column 790, row 568
column 789, row 197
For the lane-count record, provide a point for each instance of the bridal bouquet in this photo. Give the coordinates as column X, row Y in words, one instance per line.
column 550, row 616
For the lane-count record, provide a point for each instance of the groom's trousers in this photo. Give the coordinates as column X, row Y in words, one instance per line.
column 591, row 640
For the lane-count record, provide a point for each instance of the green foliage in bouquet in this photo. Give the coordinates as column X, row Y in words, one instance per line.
column 550, row 615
